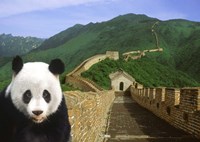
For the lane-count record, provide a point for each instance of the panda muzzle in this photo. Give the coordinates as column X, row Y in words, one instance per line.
column 37, row 112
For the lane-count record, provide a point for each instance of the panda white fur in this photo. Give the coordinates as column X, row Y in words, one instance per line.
column 32, row 107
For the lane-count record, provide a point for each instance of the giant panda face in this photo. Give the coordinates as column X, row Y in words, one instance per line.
column 35, row 88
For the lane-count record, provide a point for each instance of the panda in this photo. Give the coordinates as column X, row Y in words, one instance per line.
column 32, row 107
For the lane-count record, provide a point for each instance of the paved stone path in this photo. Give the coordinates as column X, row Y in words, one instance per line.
column 131, row 123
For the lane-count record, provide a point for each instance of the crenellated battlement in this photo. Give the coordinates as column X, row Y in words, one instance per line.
column 190, row 99
column 179, row 107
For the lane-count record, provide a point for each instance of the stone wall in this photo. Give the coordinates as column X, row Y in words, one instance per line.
column 88, row 114
column 86, row 64
column 80, row 83
column 114, row 55
column 95, row 59
column 179, row 107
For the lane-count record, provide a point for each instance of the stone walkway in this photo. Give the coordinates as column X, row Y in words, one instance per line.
column 131, row 123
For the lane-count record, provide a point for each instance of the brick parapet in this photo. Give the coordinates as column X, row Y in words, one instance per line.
column 88, row 112
column 80, row 83
column 179, row 107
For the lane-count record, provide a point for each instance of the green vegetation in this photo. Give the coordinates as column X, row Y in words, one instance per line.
column 146, row 71
column 178, row 38
column 16, row 45
column 4, row 60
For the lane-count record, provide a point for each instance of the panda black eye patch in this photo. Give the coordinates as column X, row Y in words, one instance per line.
column 27, row 96
column 46, row 96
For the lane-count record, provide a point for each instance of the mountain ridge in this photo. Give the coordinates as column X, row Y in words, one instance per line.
column 17, row 45
column 124, row 33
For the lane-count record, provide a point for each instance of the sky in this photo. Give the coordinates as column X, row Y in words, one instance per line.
column 45, row 18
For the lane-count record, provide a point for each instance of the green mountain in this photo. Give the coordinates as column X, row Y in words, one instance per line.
column 17, row 45
column 179, row 39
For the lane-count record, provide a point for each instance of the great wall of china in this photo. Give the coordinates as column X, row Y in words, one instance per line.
column 75, row 79
column 139, row 54
column 89, row 110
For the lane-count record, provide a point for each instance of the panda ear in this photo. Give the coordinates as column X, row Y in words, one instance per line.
column 56, row 66
column 17, row 64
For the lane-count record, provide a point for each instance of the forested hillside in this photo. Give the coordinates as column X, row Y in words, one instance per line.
column 180, row 40
column 145, row 71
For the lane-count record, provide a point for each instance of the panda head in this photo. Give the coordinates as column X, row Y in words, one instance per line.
column 35, row 88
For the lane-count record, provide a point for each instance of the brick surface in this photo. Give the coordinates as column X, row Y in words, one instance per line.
column 88, row 112
column 129, row 122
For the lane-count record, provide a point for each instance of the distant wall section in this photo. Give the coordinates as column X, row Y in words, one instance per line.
column 114, row 55
column 74, row 78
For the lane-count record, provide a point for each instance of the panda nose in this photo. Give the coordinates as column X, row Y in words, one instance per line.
column 37, row 112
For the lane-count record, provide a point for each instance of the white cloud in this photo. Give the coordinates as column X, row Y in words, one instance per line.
column 13, row 7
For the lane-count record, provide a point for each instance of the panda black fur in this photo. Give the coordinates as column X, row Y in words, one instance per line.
column 33, row 109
